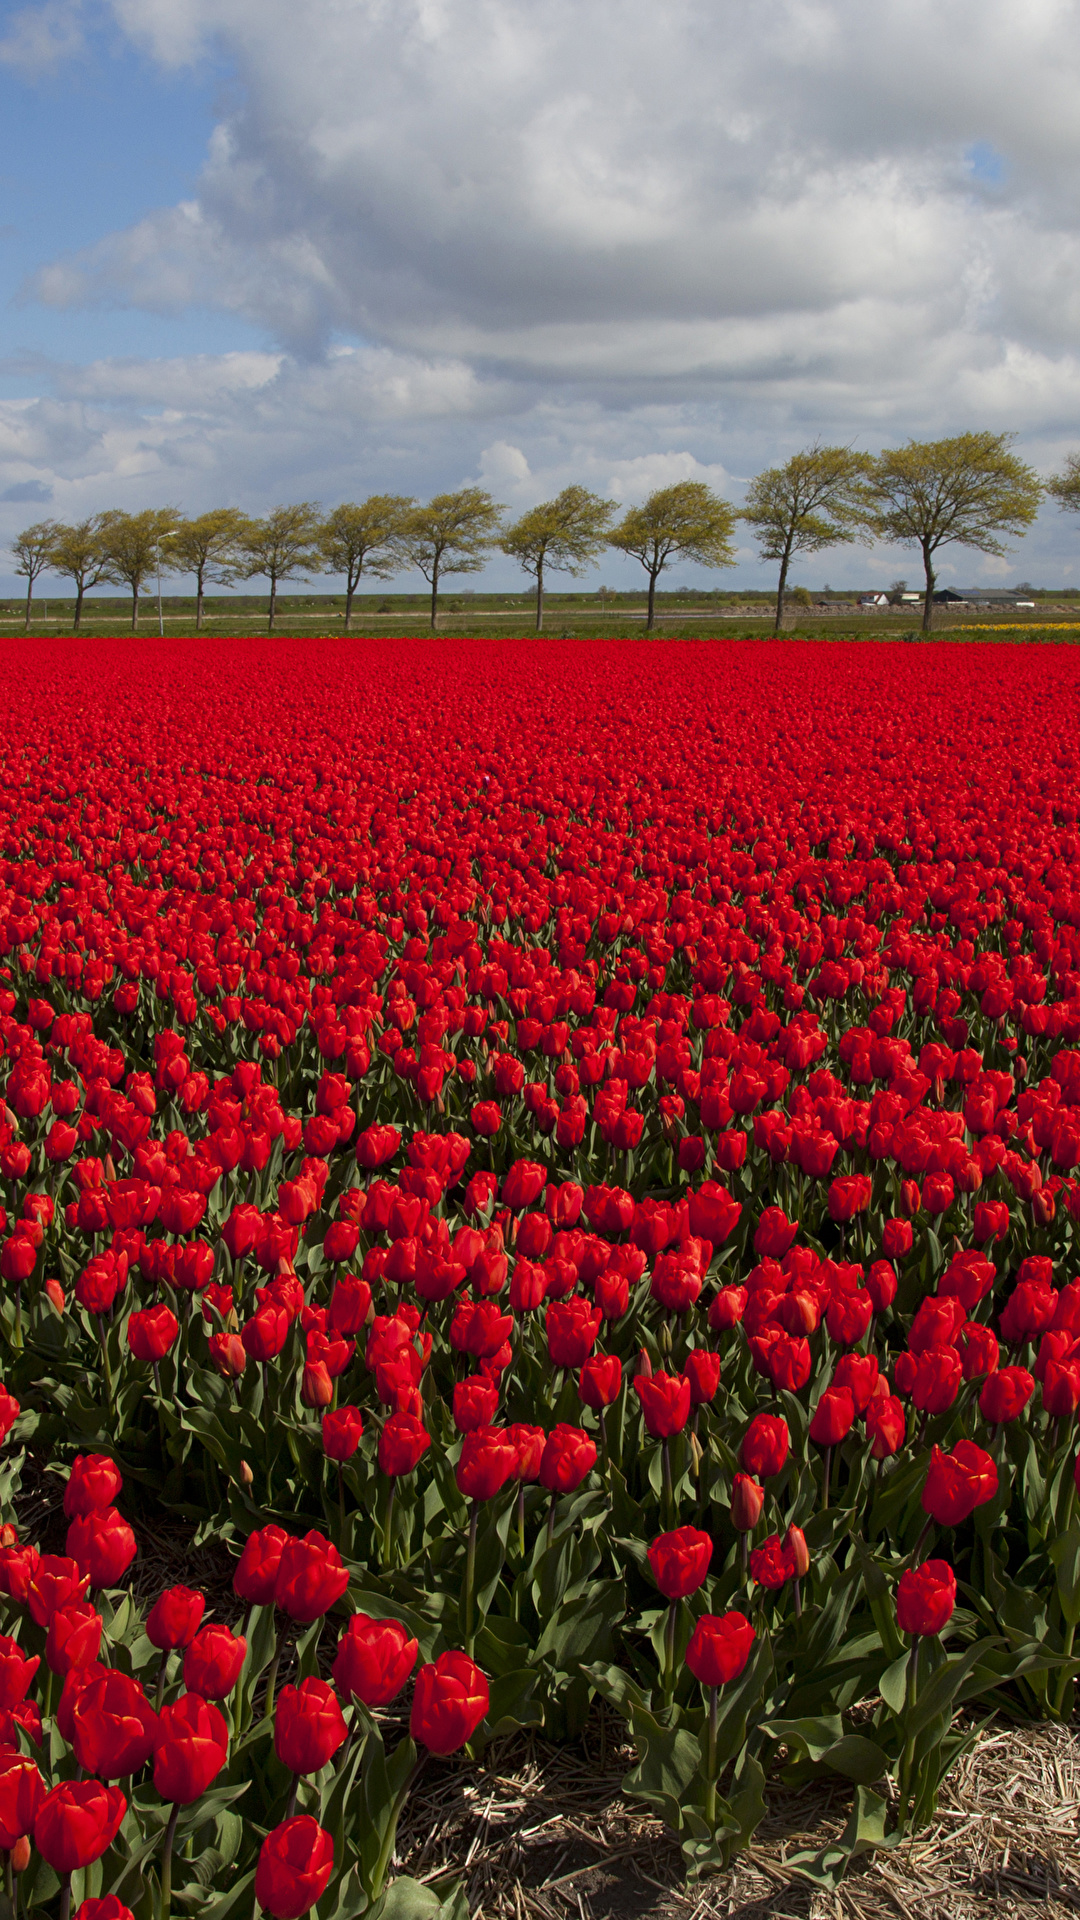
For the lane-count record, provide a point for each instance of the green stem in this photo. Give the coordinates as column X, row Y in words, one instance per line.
column 341, row 1501
column 551, row 1521
column 825, row 1482
column 65, row 1898
column 1063, row 1682
column 166, row 1861
column 161, row 1680
column 271, row 1678
column 470, row 1578
column 105, row 1359
column 710, row 1769
column 909, row 1746
column 388, row 1524
column 669, row 1654
column 386, row 1853
column 669, row 1497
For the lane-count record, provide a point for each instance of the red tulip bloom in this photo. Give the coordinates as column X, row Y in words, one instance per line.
column 151, row 1332
column 16, row 1671
column 114, row 1727
column 600, row 1380
column 747, row 1501
column 342, row 1428
column 310, row 1577
column 213, row 1662
column 22, row 1791
column 571, row 1327
column 73, row 1639
column 665, row 1402
column 528, row 1443
column 569, row 1455
column 256, row 1572
column 402, row 1443
column 76, row 1823
column 309, row 1726
column 295, row 1863
column 958, row 1482
column 719, row 1648
column 374, row 1660
column 765, row 1445
column 1005, row 1394
column 702, row 1369
column 192, row 1748
column 886, row 1425
column 175, row 1617
column 680, row 1561
column 925, row 1598
column 833, row 1417
column 449, row 1701
column 94, row 1481
column 54, row 1582
column 488, row 1459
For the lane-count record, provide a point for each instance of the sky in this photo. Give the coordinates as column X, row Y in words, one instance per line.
column 255, row 251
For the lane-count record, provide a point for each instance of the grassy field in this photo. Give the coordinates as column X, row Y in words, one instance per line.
column 679, row 616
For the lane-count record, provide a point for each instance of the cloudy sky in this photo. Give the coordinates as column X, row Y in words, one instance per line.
column 261, row 250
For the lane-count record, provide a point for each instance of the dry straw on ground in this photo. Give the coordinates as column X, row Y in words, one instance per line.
column 543, row 1833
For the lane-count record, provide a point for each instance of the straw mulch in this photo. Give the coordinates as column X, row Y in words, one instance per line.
column 543, row 1833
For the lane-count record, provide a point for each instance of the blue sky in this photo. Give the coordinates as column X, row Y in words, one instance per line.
column 255, row 250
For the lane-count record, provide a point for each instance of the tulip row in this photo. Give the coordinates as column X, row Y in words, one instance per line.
column 620, row 1198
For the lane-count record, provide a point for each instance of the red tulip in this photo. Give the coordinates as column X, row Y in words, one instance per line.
column 295, row 1863
column 94, row 1481
column 719, row 1648
column 309, row 1726
column 174, row 1618
column 958, row 1482
column 114, row 1727
column 765, row 1444
column 665, row 1402
column 192, row 1748
column 103, row 1545
column 256, row 1572
column 449, row 1701
column 680, row 1561
column 569, row 1455
column 374, row 1660
column 22, row 1791
column 77, row 1822
column 73, row 1638
column 925, row 1598
column 213, row 1661
column 310, row 1577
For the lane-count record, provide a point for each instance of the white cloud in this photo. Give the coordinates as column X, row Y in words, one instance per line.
column 39, row 38
column 586, row 241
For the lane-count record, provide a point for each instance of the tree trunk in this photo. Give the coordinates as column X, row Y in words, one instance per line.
column 434, row 596
column 134, row 608
column 273, row 604
column 78, row 606
column 29, row 597
column 652, row 600
column 539, row 595
column 349, row 591
column 785, row 562
column 928, row 596
column 198, row 600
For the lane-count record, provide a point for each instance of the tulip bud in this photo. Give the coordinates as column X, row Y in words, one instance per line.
column 20, row 1854
column 747, row 1500
column 246, row 1475
column 795, row 1546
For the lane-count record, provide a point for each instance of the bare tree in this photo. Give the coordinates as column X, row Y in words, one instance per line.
column 970, row 490
column 819, row 498
column 686, row 520
column 208, row 547
column 31, row 549
column 452, row 534
column 134, row 546
column 565, row 534
column 283, row 545
column 362, row 539
column 77, row 554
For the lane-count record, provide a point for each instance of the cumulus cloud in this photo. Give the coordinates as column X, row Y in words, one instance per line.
column 39, row 38
column 583, row 241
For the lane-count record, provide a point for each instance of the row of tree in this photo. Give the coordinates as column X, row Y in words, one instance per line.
column 971, row 490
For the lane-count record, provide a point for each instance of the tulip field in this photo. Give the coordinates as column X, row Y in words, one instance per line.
column 563, row 1161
